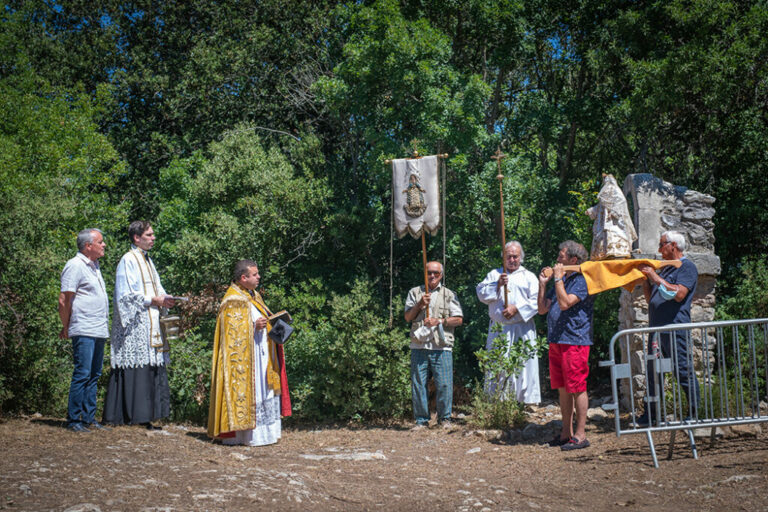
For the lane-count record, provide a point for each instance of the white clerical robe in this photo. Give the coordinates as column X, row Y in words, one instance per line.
column 268, row 423
column 136, row 338
column 522, row 291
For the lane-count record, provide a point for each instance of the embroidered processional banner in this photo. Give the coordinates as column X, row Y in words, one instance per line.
column 416, row 196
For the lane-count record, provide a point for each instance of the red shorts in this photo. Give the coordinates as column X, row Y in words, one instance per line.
column 569, row 367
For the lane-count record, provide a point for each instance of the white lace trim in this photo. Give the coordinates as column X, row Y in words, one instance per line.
column 268, row 411
column 130, row 335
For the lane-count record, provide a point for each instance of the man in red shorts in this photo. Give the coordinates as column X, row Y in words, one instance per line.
column 569, row 325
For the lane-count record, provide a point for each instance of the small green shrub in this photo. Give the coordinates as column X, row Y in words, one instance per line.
column 189, row 376
column 499, row 364
column 490, row 413
column 349, row 364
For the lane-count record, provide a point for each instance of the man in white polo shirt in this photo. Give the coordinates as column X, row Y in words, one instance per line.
column 84, row 313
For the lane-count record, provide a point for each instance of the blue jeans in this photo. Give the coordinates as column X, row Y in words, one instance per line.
column 88, row 355
column 440, row 363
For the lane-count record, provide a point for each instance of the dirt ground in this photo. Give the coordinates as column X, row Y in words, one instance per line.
column 45, row 467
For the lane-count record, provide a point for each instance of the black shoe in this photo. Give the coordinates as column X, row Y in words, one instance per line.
column 150, row 426
column 98, row 426
column 78, row 427
column 643, row 421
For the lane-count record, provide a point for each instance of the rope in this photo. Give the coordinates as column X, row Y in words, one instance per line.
column 442, row 162
column 391, row 242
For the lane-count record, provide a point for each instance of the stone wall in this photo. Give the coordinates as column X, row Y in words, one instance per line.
column 659, row 206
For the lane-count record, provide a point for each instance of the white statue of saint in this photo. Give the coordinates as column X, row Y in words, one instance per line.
column 613, row 232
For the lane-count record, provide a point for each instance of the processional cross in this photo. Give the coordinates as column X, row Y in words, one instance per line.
column 498, row 156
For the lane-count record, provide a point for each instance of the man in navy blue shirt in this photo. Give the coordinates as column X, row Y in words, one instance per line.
column 669, row 294
column 569, row 325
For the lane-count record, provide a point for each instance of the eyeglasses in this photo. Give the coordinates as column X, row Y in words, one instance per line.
column 433, row 272
column 662, row 244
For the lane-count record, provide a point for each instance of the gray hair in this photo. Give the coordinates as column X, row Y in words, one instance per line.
column 677, row 237
column 515, row 243
column 86, row 237
column 574, row 250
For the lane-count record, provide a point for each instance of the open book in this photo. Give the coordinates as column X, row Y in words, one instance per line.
column 280, row 315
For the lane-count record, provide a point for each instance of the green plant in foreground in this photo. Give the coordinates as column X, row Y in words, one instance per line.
column 503, row 361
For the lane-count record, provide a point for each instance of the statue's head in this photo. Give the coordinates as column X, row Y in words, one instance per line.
column 608, row 179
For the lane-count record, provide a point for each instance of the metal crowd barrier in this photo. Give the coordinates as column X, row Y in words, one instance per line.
column 731, row 378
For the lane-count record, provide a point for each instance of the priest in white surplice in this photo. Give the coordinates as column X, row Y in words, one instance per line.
column 138, row 391
column 516, row 319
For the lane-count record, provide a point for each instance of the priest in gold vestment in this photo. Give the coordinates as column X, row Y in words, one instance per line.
column 249, row 389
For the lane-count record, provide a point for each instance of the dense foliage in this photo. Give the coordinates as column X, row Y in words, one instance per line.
column 260, row 130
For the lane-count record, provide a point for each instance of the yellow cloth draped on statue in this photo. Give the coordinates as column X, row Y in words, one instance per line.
column 232, row 369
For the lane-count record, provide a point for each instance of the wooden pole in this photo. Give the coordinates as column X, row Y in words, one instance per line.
column 498, row 156
column 577, row 268
column 426, row 278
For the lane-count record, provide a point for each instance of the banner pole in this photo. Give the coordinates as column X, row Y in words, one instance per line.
column 424, row 258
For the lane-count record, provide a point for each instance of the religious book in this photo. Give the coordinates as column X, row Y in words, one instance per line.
column 280, row 315
column 281, row 329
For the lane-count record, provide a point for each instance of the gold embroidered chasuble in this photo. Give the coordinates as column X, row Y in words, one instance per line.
column 232, row 368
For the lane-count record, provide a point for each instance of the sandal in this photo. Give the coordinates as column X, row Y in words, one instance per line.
column 575, row 444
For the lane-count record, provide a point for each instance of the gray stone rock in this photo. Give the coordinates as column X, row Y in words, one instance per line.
column 532, row 431
column 691, row 196
column 514, row 436
column 748, row 430
column 697, row 237
column 706, row 433
column 488, row 435
column 83, row 507
column 357, row 456
column 597, row 414
column 706, row 264
column 670, row 221
column 698, row 213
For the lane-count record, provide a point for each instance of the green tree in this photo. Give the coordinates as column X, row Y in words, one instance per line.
column 57, row 176
column 238, row 199
column 696, row 102
column 331, row 89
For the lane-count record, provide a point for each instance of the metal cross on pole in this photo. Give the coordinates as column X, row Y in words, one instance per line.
column 498, row 156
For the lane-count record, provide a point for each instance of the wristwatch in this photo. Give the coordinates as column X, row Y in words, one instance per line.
column 558, row 279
